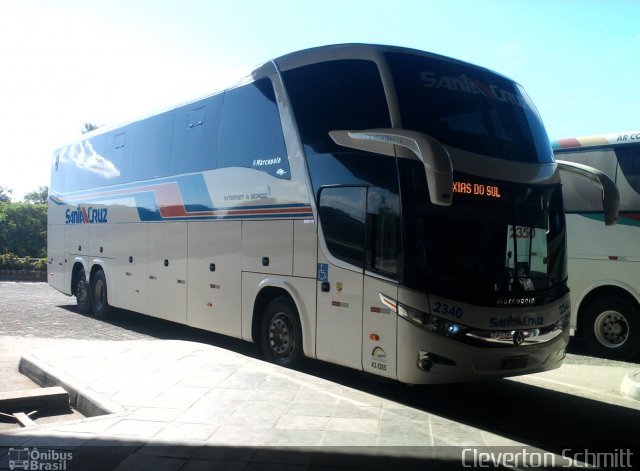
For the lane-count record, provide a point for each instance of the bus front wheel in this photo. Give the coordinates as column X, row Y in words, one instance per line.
column 281, row 334
column 99, row 303
column 611, row 328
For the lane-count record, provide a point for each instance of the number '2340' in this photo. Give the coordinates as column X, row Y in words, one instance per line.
column 446, row 309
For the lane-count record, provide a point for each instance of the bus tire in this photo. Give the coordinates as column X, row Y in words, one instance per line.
column 82, row 292
column 99, row 303
column 281, row 334
column 611, row 328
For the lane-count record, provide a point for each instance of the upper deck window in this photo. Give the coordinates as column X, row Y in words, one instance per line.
column 251, row 132
column 468, row 108
column 341, row 94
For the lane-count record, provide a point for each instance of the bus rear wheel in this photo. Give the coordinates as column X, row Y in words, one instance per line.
column 82, row 292
column 99, row 303
column 611, row 328
column 281, row 334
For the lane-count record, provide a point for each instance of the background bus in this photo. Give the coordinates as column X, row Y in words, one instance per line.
column 604, row 262
column 381, row 208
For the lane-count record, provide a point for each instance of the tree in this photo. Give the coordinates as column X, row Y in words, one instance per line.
column 5, row 194
column 39, row 196
column 88, row 127
column 23, row 229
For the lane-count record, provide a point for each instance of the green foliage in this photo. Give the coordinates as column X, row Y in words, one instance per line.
column 23, row 229
column 5, row 194
column 88, row 127
column 40, row 196
column 9, row 261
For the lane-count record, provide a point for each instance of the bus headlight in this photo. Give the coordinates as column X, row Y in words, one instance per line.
column 413, row 315
column 425, row 320
column 453, row 328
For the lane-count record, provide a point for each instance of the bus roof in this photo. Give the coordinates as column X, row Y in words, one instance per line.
column 290, row 61
column 348, row 50
column 597, row 140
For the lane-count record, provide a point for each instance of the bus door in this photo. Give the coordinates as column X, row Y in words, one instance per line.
column 342, row 211
column 361, row 229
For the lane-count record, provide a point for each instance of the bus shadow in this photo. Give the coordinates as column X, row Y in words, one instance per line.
column 152, row 327
column 539, row 417
column 577, row 346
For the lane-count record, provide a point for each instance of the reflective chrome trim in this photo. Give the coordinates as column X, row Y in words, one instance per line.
column 390, row 303
column 478, row 337
column 516, row 337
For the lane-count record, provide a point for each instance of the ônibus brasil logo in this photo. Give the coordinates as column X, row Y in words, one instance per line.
column 86, row 215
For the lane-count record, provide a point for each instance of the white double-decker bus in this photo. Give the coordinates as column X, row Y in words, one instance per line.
column 381, row 208
column 604, row 262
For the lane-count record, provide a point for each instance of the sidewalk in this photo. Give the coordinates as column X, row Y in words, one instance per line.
column 598, row 382
column 195, row 398
column 185, row 405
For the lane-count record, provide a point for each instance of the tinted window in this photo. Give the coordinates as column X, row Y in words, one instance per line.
column 85, row 165
column 580, row 195
column 511, row 238
column 629, row 161
column 119, row 154
column 353, row 169
column 57, row 173
column 469, row 108
column 251, row 132
column 342, row 214
column 345, row 94
column 383, row 231
column 197, row 130
column 153, row 146
column 603, row 158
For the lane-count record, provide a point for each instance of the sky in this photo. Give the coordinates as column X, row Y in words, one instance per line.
column 67, row 62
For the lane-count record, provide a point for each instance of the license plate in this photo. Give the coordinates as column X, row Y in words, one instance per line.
column 515, row 362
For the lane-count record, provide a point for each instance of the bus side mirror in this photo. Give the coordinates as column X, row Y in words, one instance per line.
column 432, row 154
column 599, row 181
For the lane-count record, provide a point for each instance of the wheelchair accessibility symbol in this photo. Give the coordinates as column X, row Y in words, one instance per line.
column 323, row 272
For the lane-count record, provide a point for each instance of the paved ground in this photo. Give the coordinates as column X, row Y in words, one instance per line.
column 201, row 400
column 33, row 315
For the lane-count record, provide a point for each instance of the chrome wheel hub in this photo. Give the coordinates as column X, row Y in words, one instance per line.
column 611, row 329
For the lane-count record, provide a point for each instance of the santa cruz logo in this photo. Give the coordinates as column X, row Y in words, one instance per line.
column 464, row 84
column 516, row 321
column 86, row 215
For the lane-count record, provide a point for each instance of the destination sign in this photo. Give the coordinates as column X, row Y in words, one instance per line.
column 477, row 189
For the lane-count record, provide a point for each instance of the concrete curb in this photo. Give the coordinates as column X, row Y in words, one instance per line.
column 630, row 386
column 52, row 398
column 85, row 401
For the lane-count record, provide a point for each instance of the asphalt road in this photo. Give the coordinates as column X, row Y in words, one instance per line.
column 33, row 314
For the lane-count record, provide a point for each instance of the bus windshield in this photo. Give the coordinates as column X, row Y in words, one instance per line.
column 496, row 239
column 468, row 108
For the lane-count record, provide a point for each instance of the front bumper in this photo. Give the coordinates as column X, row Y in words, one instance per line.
column 428, row 358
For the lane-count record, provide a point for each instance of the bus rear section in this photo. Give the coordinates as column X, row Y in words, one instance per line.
column 604, row 262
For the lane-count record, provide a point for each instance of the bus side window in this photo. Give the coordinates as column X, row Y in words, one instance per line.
column 340, row 94
column 342, row 215
column 251, row 132
column 580, row 195
column 58, row 171
column 86, row 164
column 153, row 138
column 196, row 135
column 383, row 231
column 629, row 161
